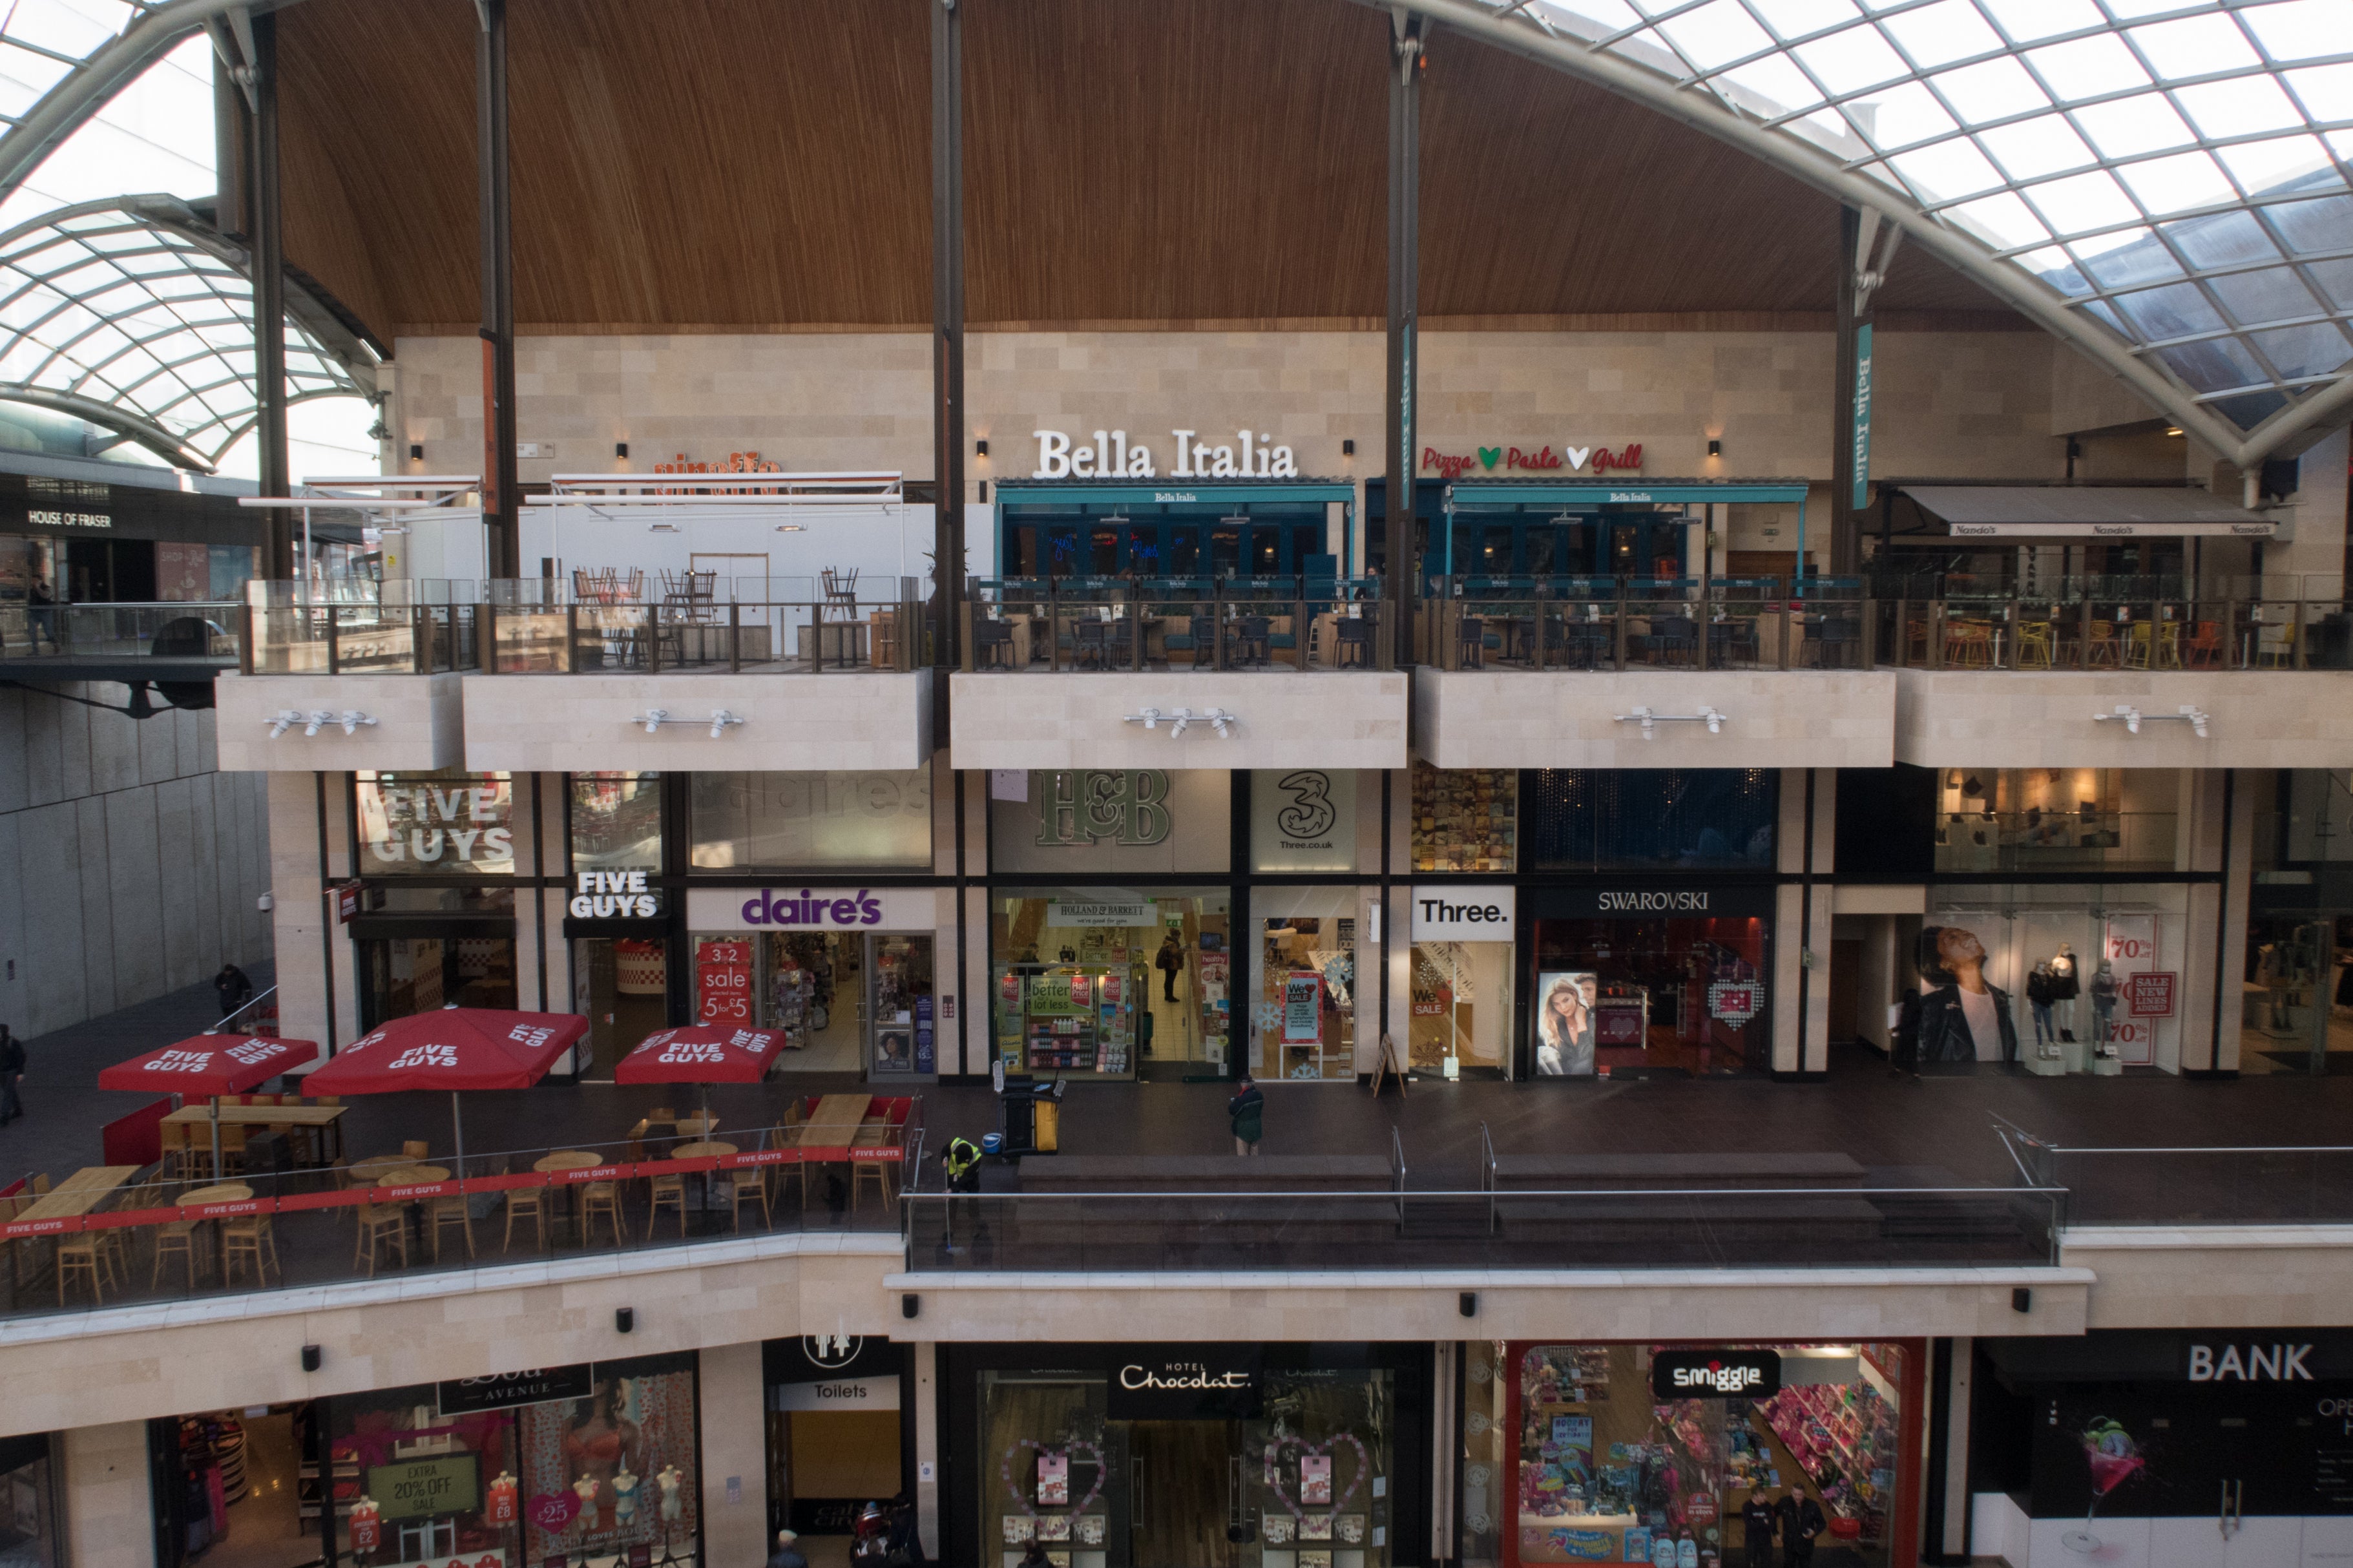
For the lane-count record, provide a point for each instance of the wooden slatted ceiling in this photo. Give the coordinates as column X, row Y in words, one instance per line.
column 762, row 165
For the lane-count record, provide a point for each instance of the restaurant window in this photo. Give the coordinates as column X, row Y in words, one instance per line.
column 1632, row 818
column 1303, row 820
column 435, row 823
column 1465, row 819
column 1111, row 982
column 573, row 1464
column 617, row 822
column 806, row 821
column 1085, row 822
column 1614, row 1459
column 404, row 976
column 2056, row 819
column 1304, row 1023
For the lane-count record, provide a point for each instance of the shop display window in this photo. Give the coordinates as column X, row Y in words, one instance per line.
column 846, row 1001
column 808, row 821
column 1303, row 820
column 1633, row 818
column 617, row 822
column 28, row 1503
column 2051, row 978
column 1461, row 1008
column 402, row 976
column 2048, row 819
column 1108, row 980
column 1465, row 819
column 1302, row 1023
column 1674, row 997
column 1616, row 1458
column 436, row 1471
column 1294, row 1471
column 435, row 823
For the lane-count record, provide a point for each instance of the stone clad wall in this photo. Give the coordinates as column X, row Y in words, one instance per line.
column 128, row 866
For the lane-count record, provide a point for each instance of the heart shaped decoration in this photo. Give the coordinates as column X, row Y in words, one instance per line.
column 1005, row 1471
column 552, row 1510
column 1577, row 455
column 1303, row 1449
column 1490, row 455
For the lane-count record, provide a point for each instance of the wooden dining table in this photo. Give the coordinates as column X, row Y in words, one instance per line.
column 77, row 1195
column 218, row 1193
column 323, row 1122
column 564, row 1160
column 834, row 1123
column 711, row 1149
column 372, row 1171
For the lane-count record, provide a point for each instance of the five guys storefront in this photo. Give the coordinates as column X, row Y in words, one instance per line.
column 1195, row 1455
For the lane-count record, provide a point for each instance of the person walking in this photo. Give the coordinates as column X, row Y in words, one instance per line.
column 1802, row 1520
column 44, row 615
column 787, row 1556
column 1246, row 1111
column 1169, row 961
column 232, row 988
column 11, row 1068
column 1757, row 1530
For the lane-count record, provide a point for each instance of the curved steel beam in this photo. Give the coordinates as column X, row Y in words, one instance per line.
column 109, row 417
column 102, row 74
column 1510, row 28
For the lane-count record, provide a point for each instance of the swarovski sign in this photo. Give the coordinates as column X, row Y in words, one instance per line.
column 1253, row 455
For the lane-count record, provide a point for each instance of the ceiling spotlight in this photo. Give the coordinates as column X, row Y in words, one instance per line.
column 2173, row 429
column 720, row 720
column 352, row 719
column 285, row 720
column 651, row 719
column 1223, row 723
column 316, row 719
column 1149, row 718
column 788, row 528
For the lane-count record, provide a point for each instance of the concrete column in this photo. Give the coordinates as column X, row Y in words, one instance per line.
column 926, row 1393
column 318, row 982
column 735, row 1456
column 110, row 1518
column 2237, row 893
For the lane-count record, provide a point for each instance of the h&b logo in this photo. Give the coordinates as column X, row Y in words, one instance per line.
column 1087, row 807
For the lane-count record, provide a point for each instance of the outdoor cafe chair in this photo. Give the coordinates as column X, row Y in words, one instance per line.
column 440, row 1212
column 2206, row 644
column 603, row 1198
column 1470, row 643
column 530, row 1204
column 992, row 642
column 666, row 1192
column 176, row 1236
column 1352, row 643
column 381, row 1225
column 1253, row 639
column 2034, row 644
column 86, row 1256
column 752, row 1186
column 2102, row 647
column 250, row 1239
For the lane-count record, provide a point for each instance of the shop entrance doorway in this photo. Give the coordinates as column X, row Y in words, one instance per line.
column 401, row 976
column 620, row 984
column 1178, row 1489
column 848, row 1001
column 239, row 1489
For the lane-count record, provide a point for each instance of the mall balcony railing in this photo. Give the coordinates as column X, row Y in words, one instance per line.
column 744, row 625
column 1644, row 623
column 177, row 1232
column 1911, row 622
column 1759, row 1227
column 2188, row 1184
column 182, row 629
column 397, row 627
column 1280, row 624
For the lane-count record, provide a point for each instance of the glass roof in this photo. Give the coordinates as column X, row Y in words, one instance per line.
column 2174, row 171
column 134, row 314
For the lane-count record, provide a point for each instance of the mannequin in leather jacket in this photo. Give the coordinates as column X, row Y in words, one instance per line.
column 1949, row 957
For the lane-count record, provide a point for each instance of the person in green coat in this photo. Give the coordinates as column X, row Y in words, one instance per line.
column 1246, row 1111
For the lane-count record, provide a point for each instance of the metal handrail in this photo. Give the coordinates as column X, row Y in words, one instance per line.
column 1322, row 1195
column 221, row 1027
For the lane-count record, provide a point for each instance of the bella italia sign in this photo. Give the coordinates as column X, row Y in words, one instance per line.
column 1253, row 455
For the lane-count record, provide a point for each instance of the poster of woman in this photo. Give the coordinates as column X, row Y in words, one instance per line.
column 1565, row 1023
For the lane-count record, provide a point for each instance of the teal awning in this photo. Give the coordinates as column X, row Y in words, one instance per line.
column 1632, row 492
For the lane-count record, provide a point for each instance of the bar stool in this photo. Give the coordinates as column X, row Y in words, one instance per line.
column 667, row 1192
column 600, row 1198
column 530, row 1204
column 440, row 1212
column 83, row 1258
column 752, row 1185
column 381, row 1223
column 250, row 1238
column 178, row 1237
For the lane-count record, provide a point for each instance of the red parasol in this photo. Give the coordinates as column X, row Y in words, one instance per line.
column 455, row 1048
column 210, row 1065
column 702, row 1055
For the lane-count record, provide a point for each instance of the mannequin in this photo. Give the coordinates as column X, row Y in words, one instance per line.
column 2039, row 997
column 2065, row 987
column 2103, row 1007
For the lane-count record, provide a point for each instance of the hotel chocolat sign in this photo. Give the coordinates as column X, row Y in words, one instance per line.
column 472, row 1395
column 1151, row 1388
column 1715, row 1374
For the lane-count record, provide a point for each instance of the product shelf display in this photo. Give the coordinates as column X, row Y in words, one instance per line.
column 1624, row 1452
column 1303, row 1020
column 1108, row 983
column 1465, row 819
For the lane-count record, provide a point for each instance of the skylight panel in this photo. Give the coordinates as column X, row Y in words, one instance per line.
column 2177, row 310
column 2276, row 294
column 2029, row 21
column 2134, row 127
column 1779, row 82
column 2217, row 364
column 2336, row 280
column 2179, row 184
column 2122, row 260
column 1992, row 89
column 2193, row 46
column 2326, row 91
column 2264, row 166
column 2314, row 227
column 2299, row 351
column 2242, row 106
column 1902, row 116
column 1947, row 171
column 1940, row 34
column 1716, row 34
column 2088, row 68
column 2083, row 203
column 2002, row 221
column 2224, row 240
column 2302, row 29
column 1852, row 60
column 2030, row 148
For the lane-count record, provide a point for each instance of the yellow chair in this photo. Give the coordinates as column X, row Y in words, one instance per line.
column 602, row 1198
column 2275, row 644
column 250, row 1239
column 667, row 1192
column 381, row 1225
column 85, row 1257
column 2034, row 644
column 2101, row 647
column 2140, row 646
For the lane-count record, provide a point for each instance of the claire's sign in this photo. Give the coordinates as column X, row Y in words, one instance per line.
column 812, row 908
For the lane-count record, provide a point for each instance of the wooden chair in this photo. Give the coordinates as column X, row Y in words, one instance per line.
column 86, row 1256
column 449, row 1211
column 176, row 1152
column 530, row 1204
column 752, row 1186
column 178, row 1237
column 381, row 1225
column 2101, row 647
column 416, row 1149
column 869, row 1136
column 667, row 1192
column 250, row 1239
column 603, row 1198
column 232, row 1150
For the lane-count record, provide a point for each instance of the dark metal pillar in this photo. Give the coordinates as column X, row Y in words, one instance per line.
column 947, row 323
column 1865, row 248
column 1400, row 589
column 501, row 503
column 266, row 246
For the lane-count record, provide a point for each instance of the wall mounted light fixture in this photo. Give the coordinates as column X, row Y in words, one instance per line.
column 620, row 449
column 1715, row 447
column 721, row 720
column 1714, row 719
column 980, row 447
column 2133, row 719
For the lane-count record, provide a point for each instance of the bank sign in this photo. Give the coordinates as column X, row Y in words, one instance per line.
column 1715, row 1374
